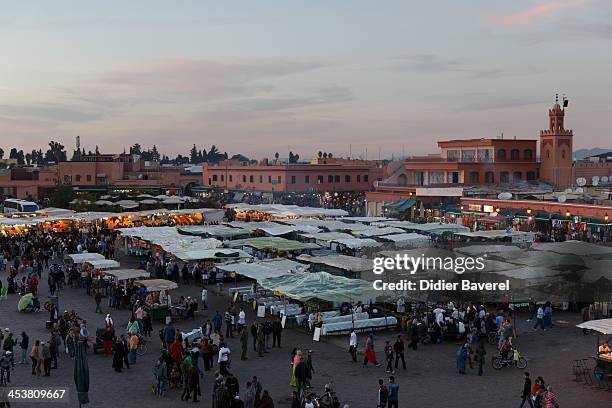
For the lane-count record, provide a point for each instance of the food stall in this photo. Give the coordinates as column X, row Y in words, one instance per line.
column 603, row 358
column 154, row 305
column 122, row 275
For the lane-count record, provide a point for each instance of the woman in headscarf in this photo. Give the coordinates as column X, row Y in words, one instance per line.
column 370, row 355
column 294, row 362
column 118, row 356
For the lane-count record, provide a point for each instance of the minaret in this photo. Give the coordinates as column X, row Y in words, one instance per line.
column 556, row 148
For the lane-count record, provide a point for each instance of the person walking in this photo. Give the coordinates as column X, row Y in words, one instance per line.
column 393, row 399
column 462, row 355
column 353, row 346
column 118, row 356
column 35, row 356
column 539, row 319
column 261, row 339
column 398, row 348
column 383, row 394
column 370, row 355
column 24, row 344
column 46, row 357
column 481, row 352
column 277, row 329
column 53, row 350
column 550, row 399
column 389, row 357
column 133, row 345
column 249, row 395
column 98, row 300
column 224, row 357
column 526, row 392
column 244, row 341
column 254, row 335
column 161, row 372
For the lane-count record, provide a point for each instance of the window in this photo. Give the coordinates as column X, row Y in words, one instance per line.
column 270, row 179
column 66, row 178
column 307, row 179
column 78, row 177
column 359, row 178
column 279, row 179
column 214, row 177
column 501, row 154
column 336, row 178
column 347, row 179
column 528, row 154
column 244, row 178
column 473, row 177
column 504, row 177
column 292, row 179
column 330, row 179
column 251, row 179
column 489, row 177
column 563, row 154
column 548, row 154
column 514, row 154
column 231, row 177
column 89, row 177
column 261, row 179
column 365, row 178
column 319, row 179
column 222, row 177
column 517, row 176
column 531, row 175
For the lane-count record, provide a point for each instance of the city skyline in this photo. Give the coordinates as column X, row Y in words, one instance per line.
column 305, row 76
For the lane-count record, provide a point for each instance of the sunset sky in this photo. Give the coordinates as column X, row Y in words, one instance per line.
column 255, row 77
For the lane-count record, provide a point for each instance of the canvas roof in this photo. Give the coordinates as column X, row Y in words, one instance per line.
column 85, row 256
column 320, row 285
column 345, row 262
column 264, row 269
column 156, row 284
column 603, row 326
column 272, row 243
column 216, row 253
column 125, row 274
column 102, row 263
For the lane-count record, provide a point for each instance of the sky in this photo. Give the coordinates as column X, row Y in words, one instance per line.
column 256, row 77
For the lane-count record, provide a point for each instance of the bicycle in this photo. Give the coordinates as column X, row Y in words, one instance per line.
column 513, row 359
column 142, row 345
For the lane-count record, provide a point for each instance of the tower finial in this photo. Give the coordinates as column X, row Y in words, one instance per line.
column 556, row 98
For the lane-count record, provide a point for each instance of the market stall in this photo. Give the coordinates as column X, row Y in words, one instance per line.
column 603, row 357
column 155, row 304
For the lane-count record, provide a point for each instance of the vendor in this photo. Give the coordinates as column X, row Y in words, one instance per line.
column 605, row 349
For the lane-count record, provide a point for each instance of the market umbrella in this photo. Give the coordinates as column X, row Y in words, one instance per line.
column 81, row 374
column 24, row 302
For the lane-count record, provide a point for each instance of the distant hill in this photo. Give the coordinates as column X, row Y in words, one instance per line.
column 582, row 153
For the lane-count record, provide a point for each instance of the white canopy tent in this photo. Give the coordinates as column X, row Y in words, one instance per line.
column 603, row 326
column 126, row 274
column 85, row 257
column 102, row 263
column 264, row 269
column 152, row 285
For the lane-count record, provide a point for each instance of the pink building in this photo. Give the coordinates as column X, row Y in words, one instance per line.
column 320, row 175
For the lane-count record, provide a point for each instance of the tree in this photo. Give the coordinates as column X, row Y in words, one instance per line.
column 293, row 158
column 1, row 153
column 154, row 153
column 320, row 154
column 20, row 157
column 13, row 153
column 193, row 155
column 56, row 152
column 28, row 158
column 61, row 196
column 97, row 150
column 329, row 155
column 276, row 156
column 240, row 157
column 325, row 155
column 136, row 149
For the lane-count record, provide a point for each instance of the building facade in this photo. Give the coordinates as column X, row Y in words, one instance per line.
column 321, row 175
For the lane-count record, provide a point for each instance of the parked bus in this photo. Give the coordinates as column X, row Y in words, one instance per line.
column 12, row 205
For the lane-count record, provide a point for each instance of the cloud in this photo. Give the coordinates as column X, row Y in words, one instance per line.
column 572, row 30
column 51, row 112
column 484, row 102
column 534, row 13
column 431, row 63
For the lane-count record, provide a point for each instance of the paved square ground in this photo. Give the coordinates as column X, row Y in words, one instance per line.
column 431, row 379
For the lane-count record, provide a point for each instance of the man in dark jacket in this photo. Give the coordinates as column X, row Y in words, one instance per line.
column 254, row 335
column 398, row 348
column 301, row 375
column 277, row 329
column 267, row 330
column 168, row 334
column 526, row 393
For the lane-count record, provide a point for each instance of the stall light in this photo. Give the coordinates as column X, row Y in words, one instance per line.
column 568, row 214
column 497, row 210
column 461, row 208
column 606, row 218
column 529, row 211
